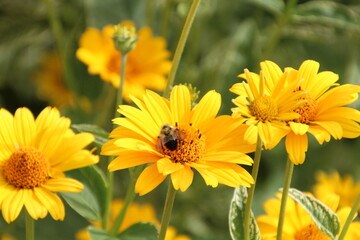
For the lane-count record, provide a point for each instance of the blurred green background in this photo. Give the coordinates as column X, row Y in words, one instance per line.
column 227, row 36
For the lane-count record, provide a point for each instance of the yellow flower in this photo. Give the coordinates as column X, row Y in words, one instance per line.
column 146, row 67
column 324, row 114
column 335, row 184
column 33, row 156
column 50, row 83
column 298, row 224
column 264, row 103
column 176, row 138
column 135, row 213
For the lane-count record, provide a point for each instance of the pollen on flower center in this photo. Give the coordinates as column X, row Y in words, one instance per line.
column 188, row 144
column 264, row 108
column 310, row 232
column 26, row 168
column 307, row 111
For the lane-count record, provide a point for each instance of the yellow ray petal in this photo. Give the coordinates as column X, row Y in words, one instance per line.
column 149, row 179
column 180, row 104
column 296, row 147
column 208, row 176
column 265, row 133
column 320, row 134
column 129, row 159
column 251, row 134
column 299, row 128
column 166, row 166
column 333, row 128
column 160, row 111
column 63, row 185
column 207, row 108
column 135, row 144
column 51, row 202
column 12, row 205
column 308, row 71
column 80, row 159
column 228, row 156
column 24, row 126
column 7, row 135
column 182, row 178
column 272, row 73
column 324, row 80
column 33, row 206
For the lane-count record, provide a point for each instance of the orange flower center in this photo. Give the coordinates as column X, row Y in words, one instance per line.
column 26, row 168
column 307, row 111
column 310, row 232
column 264, row 108
column 182, row 144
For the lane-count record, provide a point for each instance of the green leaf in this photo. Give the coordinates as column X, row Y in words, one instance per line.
column 101, row 136
column 324, row 218
column 100, row 234
column 237, row 214
column 89, row 202
column 140, row 231
column 274, row 6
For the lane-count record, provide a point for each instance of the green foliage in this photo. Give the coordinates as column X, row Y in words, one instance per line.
column 237, row 214
column 140, row 231
column 101, row 136
column 90, row 203
column 324, row 218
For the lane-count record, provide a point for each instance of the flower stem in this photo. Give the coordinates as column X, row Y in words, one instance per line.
column 181, row 44
column 350, row 217
column 119, row 101
column 284, row 196
column 29, row 227
column 169, row 202
column 254, row 174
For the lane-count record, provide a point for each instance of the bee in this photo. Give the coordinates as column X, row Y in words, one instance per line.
column 169, row 137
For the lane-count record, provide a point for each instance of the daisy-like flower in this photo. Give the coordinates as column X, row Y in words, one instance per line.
column 324, row 114
column 33, row 156
column 147, row 64
column 265, row 103
column 50, row 83
column 298, row 224
column 333, row 183
column 174, row 138
column 136, row 213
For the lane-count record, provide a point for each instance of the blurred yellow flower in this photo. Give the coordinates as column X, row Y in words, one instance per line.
column 298, row 224
column 33, row 156
column 176, row 138
column 147, row 64
column 135, row 213
column 50, row 83
column 264, row 103
column 324, row 114
column 333, row 183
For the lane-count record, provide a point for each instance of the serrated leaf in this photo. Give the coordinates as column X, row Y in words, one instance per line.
column 100, row 234
column 90, row 202
column 324, row 218
column 101, row 136
column 237, row 215
column 140, row 231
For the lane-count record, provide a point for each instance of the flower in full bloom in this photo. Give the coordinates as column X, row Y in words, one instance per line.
column 174, row 138
column 265, row 102
column 146, row 67
column 34, row 154
column 298, row 224
column 324, row 114
column 50, row 83
column 135, row 213
column 333, row 183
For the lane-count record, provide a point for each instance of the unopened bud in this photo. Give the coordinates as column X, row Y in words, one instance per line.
column 125, row 37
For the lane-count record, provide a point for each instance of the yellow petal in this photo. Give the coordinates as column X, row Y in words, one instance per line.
column 129, row 159
column 333, row 128
column 207, row 175
column 272, row 73
column 207, row 108
column 182, row 178
column 308, row 71
column 33, row 206
column 63, row 185
column 24, row 126
column 166, row 166
column 299, row 128
column 51, row 202
column 228, row 156
column 7, row 134
column 149, row 179
column 180, row 104
column 12, row 205
column 296, row 147
column 158, row 108
column 251, row 134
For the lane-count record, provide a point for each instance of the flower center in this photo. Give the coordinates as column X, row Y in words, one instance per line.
column 310, row 232
column 264, row 108
column 26, row 168
column 307, row 111
column 182, row 144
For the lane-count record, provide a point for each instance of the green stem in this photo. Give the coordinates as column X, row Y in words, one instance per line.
column 29, row 227
column 282, row 21
column 284, row 197
column 254, row 174
column 181, row 44
column 169, row 202
column 129, row 197
column 58, row 32
column 119, row 101
column 350, row 218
